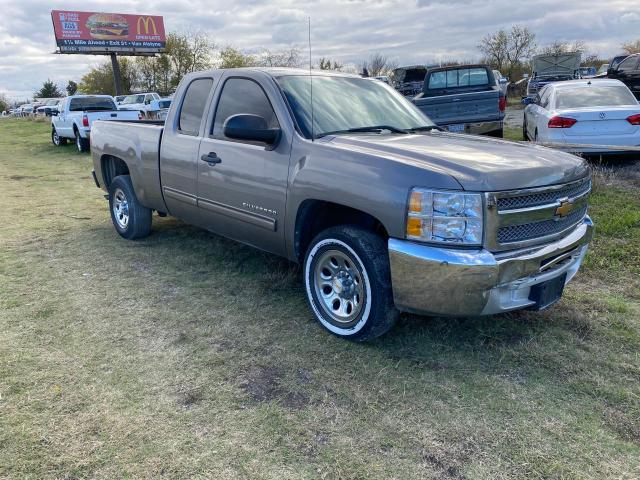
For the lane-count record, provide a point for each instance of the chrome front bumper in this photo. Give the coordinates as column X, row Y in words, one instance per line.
column 456, row 282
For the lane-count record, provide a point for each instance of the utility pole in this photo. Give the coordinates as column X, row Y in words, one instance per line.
column 117, row 77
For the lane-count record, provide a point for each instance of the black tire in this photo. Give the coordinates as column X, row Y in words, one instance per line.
column 82, row 144
column 525, row 135
column 56, row 139
column 131, row 220
column 363, row 266
column 535, row 136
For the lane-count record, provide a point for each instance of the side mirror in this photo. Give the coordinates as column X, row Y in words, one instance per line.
column 252, row 128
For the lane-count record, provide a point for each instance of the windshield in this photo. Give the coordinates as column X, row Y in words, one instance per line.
column 129, row 99
column 594, row 97
column 164, row 103
column 345, row 103
column 80, row 104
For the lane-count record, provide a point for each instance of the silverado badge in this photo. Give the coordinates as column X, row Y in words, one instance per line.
column 564, row 209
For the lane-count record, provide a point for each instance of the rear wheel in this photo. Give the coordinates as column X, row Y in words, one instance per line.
column 348, row 283
column 82, row 144
column 57, row 140
column 130, row 218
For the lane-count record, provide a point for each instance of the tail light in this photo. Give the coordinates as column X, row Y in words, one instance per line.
column 561, row 122
column 634, row 119
column 502, row 104
column 85, row 121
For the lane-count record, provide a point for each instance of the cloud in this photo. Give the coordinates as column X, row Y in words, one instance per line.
column 346, row 30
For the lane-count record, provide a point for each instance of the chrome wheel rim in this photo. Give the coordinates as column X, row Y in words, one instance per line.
column 339, row 286
column 56, row 138
column 120, row 209
column 78, row 144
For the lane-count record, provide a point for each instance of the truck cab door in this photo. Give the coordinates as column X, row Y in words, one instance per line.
column 179, row 149
column 242, row 185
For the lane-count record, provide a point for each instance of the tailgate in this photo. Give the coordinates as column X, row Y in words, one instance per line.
column 462, row 107
column 111, row 115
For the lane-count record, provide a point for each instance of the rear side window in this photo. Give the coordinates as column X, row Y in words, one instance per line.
column 80, row 104
column 241, row 95
column 461, row 77
column 195, row 101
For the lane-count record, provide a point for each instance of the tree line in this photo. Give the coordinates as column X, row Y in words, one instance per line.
column 507, row 50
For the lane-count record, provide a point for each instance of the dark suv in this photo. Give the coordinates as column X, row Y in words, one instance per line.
column 628, row 72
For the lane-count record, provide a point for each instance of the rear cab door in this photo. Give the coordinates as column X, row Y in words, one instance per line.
column 183, row 132
column 628, row 72
column 243, row 195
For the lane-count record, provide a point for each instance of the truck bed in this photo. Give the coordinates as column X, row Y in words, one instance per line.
column 137, row 142
column 461, row 107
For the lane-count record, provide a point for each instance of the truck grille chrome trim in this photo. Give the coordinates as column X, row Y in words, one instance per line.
column 572, row 190
column 528, row 231
column 524, row 218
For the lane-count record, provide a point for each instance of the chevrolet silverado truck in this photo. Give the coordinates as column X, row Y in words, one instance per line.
column 463, row 99
column 384, row 211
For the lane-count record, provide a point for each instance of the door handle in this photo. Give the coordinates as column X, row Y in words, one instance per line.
column 211, row 158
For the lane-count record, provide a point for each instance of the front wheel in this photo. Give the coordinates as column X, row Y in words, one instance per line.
column 82, row 144
column 130, row 218
column 348, row 283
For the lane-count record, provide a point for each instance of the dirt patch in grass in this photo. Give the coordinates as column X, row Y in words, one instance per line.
column 265, row 384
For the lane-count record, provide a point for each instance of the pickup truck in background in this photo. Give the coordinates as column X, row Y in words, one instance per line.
column 548, row 68
column 384, row 211
column 463, row 99
column 76, row 115
column 408, row 80
column 139, row 102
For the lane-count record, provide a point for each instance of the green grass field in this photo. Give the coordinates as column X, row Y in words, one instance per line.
column 188, row 356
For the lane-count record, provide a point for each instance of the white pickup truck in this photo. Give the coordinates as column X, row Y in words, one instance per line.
column 76, row 115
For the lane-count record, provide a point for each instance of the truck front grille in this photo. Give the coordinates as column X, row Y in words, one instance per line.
column 524, row 218
column 543, row 198
column 545, row 228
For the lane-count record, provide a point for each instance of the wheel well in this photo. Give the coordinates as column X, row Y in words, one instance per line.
column 315, row 216
column 111, row 168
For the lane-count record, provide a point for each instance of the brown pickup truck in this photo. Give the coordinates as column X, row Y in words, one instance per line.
column 384, row 210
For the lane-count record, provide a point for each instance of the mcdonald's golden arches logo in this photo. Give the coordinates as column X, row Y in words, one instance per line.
column 146, row 22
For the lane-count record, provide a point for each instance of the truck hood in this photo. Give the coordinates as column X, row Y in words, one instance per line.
column 556, row 65
column 477, row 163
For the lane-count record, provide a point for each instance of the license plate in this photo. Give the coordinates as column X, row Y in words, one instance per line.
column 547, row 293
column 457, row 127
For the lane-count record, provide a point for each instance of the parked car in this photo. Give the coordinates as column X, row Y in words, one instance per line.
column 587, row 72
column 140, row 102
column 48, row 107
column 602, row 71
column 77, row 114
column 385, row 211
column 503, row 82
column 463, row 99
column 552, row 68
column 158, row 109
column 408, row 80
column 119, row 98
column 617, row 60
column 628, row 72
column 584, row 112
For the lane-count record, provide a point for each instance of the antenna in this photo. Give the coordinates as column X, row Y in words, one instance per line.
column 311, row 82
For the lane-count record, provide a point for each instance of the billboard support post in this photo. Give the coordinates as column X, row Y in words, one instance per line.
column 117, row 76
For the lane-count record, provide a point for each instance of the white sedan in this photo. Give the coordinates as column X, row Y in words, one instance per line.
column 598, row 114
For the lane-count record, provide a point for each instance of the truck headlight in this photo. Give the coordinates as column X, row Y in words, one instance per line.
column 445, row 217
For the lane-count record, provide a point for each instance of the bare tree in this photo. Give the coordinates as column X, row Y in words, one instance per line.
column 377, row 64
column 507, row 50
column 631, row 47
column 285, row 58
column 559, row 47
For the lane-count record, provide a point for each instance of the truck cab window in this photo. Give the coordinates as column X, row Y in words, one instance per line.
column 195, row 101
column 240, row 95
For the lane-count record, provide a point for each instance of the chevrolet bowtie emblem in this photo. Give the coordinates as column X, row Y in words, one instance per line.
column 564, row 209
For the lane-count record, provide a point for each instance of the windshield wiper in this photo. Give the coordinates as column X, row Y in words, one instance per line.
column 373, row 128
column 425, row 128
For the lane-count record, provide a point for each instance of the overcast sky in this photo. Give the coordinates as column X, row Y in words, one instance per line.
column 409, row 32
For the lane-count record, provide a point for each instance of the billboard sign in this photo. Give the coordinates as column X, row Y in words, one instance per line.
column 101, row 33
